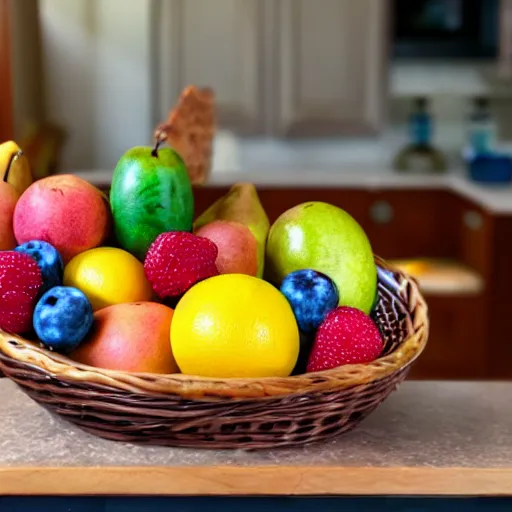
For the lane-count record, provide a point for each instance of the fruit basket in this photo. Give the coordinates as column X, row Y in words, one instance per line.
column 139, row 321
column 187, row 411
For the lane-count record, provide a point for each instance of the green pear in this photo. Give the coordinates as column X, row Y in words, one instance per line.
column 323, row 237
column 241, row 204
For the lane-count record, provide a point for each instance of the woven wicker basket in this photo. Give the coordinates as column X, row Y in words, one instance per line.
column 181, row 410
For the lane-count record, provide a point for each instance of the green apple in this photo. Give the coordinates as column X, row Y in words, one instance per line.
column 325, row 238
column 150, row 194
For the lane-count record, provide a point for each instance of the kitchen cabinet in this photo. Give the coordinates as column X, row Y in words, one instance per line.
column 400, row 223
column 279, row 67
column 505, row 41
column 409, row 224
column 332, row 66
column 228, row 54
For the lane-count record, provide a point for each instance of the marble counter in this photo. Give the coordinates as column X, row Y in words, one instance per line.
column 428, row 438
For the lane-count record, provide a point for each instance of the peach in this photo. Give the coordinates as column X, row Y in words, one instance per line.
column 133, row 337
column 8, row 199
column 65, row 211
column 238, row 248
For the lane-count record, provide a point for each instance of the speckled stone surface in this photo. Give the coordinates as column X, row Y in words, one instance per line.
column 423, row 424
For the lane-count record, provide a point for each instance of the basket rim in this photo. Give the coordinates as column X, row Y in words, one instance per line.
column 60, row 366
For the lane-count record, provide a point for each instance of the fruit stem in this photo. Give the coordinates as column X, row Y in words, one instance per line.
column 155, row 149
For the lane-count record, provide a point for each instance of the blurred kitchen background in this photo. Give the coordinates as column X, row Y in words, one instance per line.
column 399, row 111
column 317, row 83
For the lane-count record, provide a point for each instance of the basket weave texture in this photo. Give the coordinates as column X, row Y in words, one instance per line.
column 188, row 411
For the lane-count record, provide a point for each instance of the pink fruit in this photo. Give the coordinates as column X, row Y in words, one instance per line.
column 65, row 211
column 238, row 249
column 8, row 199
column 131, row 337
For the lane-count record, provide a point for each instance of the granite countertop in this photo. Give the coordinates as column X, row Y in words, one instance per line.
column 434, row 438
column 343, row 162
column 497, row 199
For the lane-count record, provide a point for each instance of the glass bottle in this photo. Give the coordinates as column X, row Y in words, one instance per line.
column 481, row 128
column 419, row 155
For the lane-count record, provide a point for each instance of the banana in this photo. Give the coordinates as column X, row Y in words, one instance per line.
column 14, row 166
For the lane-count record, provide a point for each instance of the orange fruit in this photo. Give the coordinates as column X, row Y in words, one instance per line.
column 234, row 325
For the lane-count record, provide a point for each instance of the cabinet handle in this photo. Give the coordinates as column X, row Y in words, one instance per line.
column 381, row 212
column 473, row 220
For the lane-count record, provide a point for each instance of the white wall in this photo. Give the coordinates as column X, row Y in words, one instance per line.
column 25, row 58
column 97, row 77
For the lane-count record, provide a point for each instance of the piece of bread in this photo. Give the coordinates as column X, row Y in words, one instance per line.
column 190, row 129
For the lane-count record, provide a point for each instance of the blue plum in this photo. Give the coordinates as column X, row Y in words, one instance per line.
column 62, row 318
column 48, row 259
column 311, row 295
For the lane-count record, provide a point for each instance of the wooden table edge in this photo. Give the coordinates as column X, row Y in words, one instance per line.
column 255, row 481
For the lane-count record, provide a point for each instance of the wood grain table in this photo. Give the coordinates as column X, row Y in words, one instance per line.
column 427, row 439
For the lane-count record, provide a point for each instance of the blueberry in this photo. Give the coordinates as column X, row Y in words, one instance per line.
column 48, row 259
column 62, row 318
column 312, row 295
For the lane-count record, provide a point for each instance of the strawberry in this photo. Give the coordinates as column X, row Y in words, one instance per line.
column 20, row 284
column 346, row 336
column 177, row 260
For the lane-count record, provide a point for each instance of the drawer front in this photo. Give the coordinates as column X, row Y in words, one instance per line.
column 276, row 200
column 457, row 346
column 407, row 224
column 474, row 227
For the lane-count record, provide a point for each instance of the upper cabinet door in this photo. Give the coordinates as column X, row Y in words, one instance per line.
column 220, row 44
column 505, row 55
column 332, row 66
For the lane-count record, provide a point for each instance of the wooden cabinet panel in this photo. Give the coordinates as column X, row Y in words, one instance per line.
column 278, row 67
column 221, row 45
column 277, row 200
column 499, row 305
column 410, row 223
column 505, row 54
column 6, row 114
column 399, row 223
column 20, row 68
column 474, row 232
column 457, row 347
column 332, row 63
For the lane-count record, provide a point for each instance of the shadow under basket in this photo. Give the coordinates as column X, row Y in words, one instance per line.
column 187, row 411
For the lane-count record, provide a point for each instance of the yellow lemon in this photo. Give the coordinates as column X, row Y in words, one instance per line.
column 108, row 276
column 234, row 325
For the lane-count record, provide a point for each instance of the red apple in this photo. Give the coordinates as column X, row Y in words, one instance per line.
column 238, row 248
column 8, row 199
column 65, row 211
